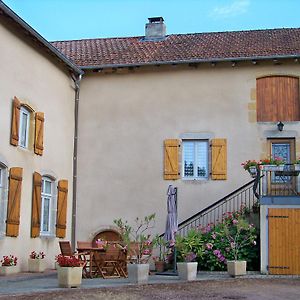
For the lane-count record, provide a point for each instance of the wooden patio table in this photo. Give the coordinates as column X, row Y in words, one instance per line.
column 95, row 260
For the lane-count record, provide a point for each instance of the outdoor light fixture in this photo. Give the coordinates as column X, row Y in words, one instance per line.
column 280, row 126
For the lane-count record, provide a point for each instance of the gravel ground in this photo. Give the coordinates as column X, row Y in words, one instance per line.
column 251, row 289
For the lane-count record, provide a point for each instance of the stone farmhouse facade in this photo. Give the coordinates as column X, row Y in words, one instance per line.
column 112, row 122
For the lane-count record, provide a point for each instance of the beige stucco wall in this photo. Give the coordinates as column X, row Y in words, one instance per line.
column 124, row 119
column 38, row 82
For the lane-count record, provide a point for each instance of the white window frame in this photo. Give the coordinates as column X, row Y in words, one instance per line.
column 24, row 111
column 195, row 162
column 3, row 198
column 52, row 207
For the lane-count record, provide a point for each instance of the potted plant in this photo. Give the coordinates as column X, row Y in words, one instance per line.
column 69, row 273
column 36, row 262
column 160, row 260
column 239, row 234
column 138, row 244
column 250, row 166
column 188, row 248
column 8, row 265
column 101, row 244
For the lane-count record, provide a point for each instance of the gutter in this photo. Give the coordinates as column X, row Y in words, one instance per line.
column 75, row 151
column 192, row 61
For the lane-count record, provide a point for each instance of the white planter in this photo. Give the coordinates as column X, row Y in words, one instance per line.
column 273, row 167
column 187, row 270
column 297, row 167
column 36, row 265
column 8, row 270
column 138, row 273
column 69, row 276
column 236, row 267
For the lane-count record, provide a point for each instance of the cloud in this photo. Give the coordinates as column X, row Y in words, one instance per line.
column 237, row 7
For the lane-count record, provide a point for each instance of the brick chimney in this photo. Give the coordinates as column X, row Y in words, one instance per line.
column 155, row 29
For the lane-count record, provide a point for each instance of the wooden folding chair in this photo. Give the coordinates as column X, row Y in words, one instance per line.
column 66, row 250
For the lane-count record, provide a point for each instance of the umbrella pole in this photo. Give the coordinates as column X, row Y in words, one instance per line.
column 175, row 260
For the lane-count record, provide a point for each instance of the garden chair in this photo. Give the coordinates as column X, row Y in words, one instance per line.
column 66, row 250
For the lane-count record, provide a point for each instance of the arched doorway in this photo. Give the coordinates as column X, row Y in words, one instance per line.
column 107, row 235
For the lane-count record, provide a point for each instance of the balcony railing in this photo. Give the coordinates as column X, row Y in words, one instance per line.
column 282, row 180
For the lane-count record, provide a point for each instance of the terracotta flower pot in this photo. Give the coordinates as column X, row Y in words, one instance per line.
column 160, row 266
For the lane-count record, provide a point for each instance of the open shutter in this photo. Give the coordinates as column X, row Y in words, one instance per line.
column 171, row 163
column 61, row 218
column 15, row 122
column 219, row 159
column 39, row 133
column 14, row 198
column 36, row 205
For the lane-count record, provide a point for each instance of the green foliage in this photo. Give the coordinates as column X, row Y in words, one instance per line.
column 189, row 247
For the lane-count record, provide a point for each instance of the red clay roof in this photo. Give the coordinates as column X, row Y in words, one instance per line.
column 215, row 46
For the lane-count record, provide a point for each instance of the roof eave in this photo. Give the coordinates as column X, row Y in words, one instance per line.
column 191, row 61
column 43, row 41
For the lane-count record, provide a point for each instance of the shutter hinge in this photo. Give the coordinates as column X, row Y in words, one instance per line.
column 277, row 267
column 278, row 217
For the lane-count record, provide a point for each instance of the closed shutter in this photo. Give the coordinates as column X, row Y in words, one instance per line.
column 219, row 159
column 171, row 163
column 61, row 217
column 36, row 205
column 15, row 122
column 39, row 133
column 14, row 198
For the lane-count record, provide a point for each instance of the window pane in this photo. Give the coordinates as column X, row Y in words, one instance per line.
column 47, row 187
column 188, row 158
column 46, row 214
column 281, row 151
column 202, row 154
column 24, row 128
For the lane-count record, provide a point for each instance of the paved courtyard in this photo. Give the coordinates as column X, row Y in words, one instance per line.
column 209, row 285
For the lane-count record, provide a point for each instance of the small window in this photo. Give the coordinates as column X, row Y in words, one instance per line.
column 195, row 159
column 24, row 127
column 3, row 198
column 47, row 224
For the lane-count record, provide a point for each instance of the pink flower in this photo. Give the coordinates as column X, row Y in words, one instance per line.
column 235, row 222
column 209, row 246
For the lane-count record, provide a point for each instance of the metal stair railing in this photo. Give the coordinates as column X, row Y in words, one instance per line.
column 245, row 195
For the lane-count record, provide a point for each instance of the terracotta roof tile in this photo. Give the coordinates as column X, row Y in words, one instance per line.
column 183, row 47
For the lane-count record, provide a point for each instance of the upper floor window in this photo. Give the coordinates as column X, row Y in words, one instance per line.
column 195, row 159
column 277, row 99
column 47, row 206
column 24, row 127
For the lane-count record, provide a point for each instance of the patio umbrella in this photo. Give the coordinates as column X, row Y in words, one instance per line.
column 172, row 222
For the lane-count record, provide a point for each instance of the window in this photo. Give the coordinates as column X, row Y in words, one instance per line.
column 195, row 159
column 277, row 99
column 24, row 127
column 47, row 206
column 3, row 198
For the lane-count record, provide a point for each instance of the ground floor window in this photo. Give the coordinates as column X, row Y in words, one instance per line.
column 48, row 206
column 3, row 198
column 195, row 159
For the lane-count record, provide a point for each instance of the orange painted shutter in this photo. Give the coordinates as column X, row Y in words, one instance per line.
column 36, row 205
column 171, row 163
column 219, row 159
column 15, row 122
column 14, row 199
column 39, row 133
column 61, row 218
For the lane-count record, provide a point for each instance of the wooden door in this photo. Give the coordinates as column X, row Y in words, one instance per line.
column 284, row 241
column 283, row 149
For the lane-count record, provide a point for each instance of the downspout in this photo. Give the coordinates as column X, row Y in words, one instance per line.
column 76, row 80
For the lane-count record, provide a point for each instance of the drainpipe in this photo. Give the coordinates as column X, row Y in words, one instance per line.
column 76, row 80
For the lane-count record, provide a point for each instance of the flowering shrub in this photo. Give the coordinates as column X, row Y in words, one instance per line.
column 10, row 260
column 37, row 255
column 67, row 261
column 233, row 238
column 137, row 243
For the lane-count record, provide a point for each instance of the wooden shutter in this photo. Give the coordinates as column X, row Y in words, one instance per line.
column 277, row 99
column 15, row 122
column 61, row 218
column 219, row 159
column 36, row 205
column 14, row 198
column 171, row 163
column 39, row 133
